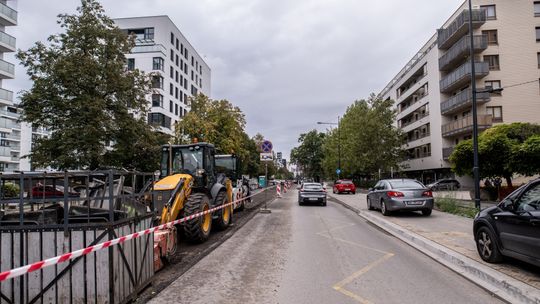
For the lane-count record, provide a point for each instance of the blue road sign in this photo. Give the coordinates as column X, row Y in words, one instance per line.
column 338, row 171
column 266, row 146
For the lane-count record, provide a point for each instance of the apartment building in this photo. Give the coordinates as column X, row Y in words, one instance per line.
column 10, row 128
column 432, row 92
column 179, row 72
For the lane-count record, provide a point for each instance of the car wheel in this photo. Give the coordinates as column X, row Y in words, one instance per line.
column 354, row 192
column 334, row 190
column 487, row 248
column 369, row 204
column 426, row 212
column 299, row 202
column 384, row 211
column 323, row 204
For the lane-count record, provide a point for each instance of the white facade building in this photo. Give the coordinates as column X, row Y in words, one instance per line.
column 432, row 92
column 10, row 128
column 179, row 71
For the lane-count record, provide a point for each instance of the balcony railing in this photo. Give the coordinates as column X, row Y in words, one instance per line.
column 456, row 54
column 420, row 116
column 460, row 76
column 465, row 125
column 459, row 27
column 8, row 16
column 155, row 48
column 446, row 152
column 7, row 70
column 6, row 95
column 463, row 100
column 9, row 124
column 10, row 114
column 7, row 42
column 424, row 135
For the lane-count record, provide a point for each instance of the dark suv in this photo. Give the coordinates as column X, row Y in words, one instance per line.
column 511, row 228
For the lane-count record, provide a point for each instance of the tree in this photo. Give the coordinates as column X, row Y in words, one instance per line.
column 83, row 94
column 503, row 150
column 369, row 140
column 309, row 154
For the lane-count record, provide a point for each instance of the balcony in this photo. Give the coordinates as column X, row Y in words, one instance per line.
column 464, row 125
column 9, row 114
column 446, row 37
column 6, row 97
column 9, row 124
column 446, row 152
column 462, row 76
column 8, row 16
column 459, row 51
column 7, row 70
column 153, row 48
column 462, row 101
column 7, row 43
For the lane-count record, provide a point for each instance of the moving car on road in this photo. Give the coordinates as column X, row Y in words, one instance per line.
column 344, row 185
column 400, row 195
column 511, row 228
column 312, row 193
column 444, row 184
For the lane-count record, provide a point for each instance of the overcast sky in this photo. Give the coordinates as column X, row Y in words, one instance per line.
column 286, row 63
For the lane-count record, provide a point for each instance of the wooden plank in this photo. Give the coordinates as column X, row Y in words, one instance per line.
column 102, row 272
column 77, row 273
column 63, row 285
column 6, row 262
column 90, row 273
column 49, row 251
column 117, row 273
column 34, row 252
column 17, row 263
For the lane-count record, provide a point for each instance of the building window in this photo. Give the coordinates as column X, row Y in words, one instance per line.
column 176, row 74
column 170, row 106
column 177, row 44
column 185, row 68
column 538, row 33
column 493, row 61
column 538, row 59
column 142, row 34
column 492, row 37
column 4, row 143
column 185, row 83
column 171, row 72
column 186, row 55
column 131, row 64
column 181, row 96
column 537, row 8
column 186, row 100
column 192, row 77
column 158, row 119
column 157, row 82
column 176, row 93
column 176, row 109
column 496, row 112
column 157, row 100
column 172, row 38
column 193, row 91
column 177, row 60
column 172, row 55
column 158, row 63
column 192, row 61
column 171, row 89
column 182, row 48
column 495, row 84
column 490, row 11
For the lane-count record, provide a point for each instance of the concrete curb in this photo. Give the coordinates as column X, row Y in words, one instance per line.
column 501, row 285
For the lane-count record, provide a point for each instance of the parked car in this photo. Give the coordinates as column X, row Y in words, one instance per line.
column 444, row 184
column 344, row 185
column 400, row 195
column 312, row 193
column 511, row 228
column 49, row 191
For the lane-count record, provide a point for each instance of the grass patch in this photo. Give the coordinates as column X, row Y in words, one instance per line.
column 453, row 206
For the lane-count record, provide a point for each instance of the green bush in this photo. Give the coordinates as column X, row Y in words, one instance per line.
column 10, row 190
column 451, row 205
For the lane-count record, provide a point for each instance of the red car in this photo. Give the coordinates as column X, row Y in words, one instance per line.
column 344, row 185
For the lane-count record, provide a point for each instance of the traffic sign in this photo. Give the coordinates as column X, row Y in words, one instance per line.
column 266, row 146
column 266, row 157
column 338, row 171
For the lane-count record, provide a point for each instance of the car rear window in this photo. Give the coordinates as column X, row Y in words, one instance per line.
column 313, row 187
column 405, row 184
column 346, row 182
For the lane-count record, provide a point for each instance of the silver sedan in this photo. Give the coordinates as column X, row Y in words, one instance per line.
column 400, row 194
column 312, row 193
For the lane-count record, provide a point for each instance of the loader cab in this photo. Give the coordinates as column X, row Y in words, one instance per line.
column 229, row 165
column 196, row 160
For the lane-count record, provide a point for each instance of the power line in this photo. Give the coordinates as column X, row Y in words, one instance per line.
column 520, row 84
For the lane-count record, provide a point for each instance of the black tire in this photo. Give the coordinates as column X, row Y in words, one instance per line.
column 369, row 206
column 426, row 212
column 354, row 192
column 384, row 211
column 194, row 229
column 487, row 246
column 323, row 204
column 225, row 215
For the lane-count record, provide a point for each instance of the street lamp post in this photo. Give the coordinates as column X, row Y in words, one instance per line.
column 339, row 142
column 476, row 172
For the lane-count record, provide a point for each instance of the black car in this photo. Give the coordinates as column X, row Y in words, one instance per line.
column 511, row 228
column 444, row 184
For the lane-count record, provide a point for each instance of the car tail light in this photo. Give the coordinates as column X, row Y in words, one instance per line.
column 427, row 193
column 395, row 194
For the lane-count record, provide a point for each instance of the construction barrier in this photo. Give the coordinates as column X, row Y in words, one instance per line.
column 16, row 272
column 278, row 190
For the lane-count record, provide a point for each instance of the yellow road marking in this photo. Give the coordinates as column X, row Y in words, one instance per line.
column 340, row 285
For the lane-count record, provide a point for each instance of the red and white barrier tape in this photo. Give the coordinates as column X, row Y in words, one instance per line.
column 9, row 274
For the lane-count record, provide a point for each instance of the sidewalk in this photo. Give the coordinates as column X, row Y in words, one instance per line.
column 448, row 239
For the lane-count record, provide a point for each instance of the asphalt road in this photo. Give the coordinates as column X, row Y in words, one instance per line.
column 313, row 254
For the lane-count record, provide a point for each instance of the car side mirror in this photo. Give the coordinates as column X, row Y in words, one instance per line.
column 509, row 205
column 370, row 189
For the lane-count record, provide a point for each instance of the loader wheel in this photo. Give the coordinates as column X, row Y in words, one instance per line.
column 198, row 229
column 224, row 215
